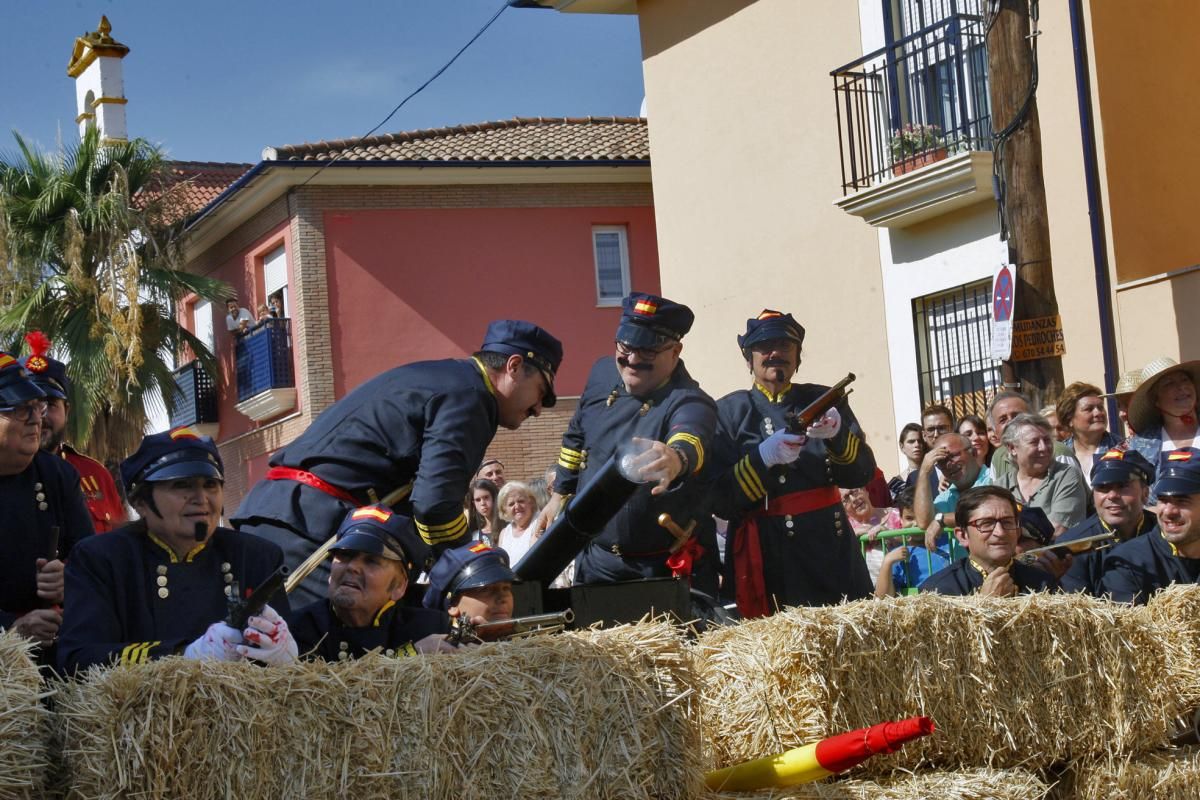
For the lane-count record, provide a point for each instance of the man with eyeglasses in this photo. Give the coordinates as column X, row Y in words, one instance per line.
column 791, row 544
column 1136, row 569
column 99, row 489
column 641, row 402
column 988, row 526
column 959, row 464
column 418, row 430
column 44, row 515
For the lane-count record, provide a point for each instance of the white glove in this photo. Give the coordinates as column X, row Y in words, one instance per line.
column 827, row 426
column 780, row 447
column 219, row 643
column 268, row 639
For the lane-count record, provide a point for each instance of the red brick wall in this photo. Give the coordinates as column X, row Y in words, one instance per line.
column 527, row 451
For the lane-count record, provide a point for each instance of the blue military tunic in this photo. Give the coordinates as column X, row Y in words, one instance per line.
column 319, row 634
column 1136, row 569
column 633, row 545
column 1086, row 572
column 129, row 598
column 964, row 578
column 45, row 494
column 429, row 423
column 812, row 558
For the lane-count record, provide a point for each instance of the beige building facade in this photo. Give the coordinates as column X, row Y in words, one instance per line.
column 781, row 179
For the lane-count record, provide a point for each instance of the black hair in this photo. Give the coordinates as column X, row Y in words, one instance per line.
column 974, row 497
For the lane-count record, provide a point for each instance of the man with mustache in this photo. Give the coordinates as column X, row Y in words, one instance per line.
column 791, row 544
column 1138, row 568
column 99, row 489
column 1121, row 481
column 39, row 492
column 426, row 424
column 377, row 552
column 643, row 398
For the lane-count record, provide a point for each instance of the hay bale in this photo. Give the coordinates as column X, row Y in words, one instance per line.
column 1164, row 775
column 1016, row 682
column 1175, row 610
column 23, row 721
column 974, row 784
column 591, row 714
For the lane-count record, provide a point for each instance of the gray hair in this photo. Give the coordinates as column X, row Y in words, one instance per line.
column 1019, row 423
column 1005, row 395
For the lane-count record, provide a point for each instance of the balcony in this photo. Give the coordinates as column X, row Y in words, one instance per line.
column 195, row 399
column 914, row 125
column 266, row 383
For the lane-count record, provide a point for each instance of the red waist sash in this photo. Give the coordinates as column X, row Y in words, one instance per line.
column 308, row 479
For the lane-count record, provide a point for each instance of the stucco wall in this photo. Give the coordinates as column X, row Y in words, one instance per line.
column 745, row 161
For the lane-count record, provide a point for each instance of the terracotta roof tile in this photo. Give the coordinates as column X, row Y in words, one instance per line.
column 192, row 185
column 586, row 139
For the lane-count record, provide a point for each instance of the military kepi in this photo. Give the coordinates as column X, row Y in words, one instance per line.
column 1118, row 466
column 1179, row 473
column 648, row 320
column 177, row 453
column 467, row 567
column 16, row 386
column 379, row 531
column 768, row 325
column 536, row 345
column 48, row 373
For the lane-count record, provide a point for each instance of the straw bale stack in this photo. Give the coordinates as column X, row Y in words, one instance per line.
column 1175, row 610
column 593, row 714
column 1017, row 682
column 23, row 722
column 973, row 784
column 1163, row 775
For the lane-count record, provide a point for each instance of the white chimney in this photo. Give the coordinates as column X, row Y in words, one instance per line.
column 99, row 88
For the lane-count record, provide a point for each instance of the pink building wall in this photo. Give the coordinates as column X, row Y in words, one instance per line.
column 414, row 284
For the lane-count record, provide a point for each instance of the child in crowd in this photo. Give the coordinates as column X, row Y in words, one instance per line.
column 905, row 568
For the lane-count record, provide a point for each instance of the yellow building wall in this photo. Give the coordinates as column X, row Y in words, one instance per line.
column 1147, row 62
column 744, row 148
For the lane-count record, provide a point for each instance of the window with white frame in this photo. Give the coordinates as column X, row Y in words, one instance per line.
column 275, row 280
column 610, row 246
column 202, row 320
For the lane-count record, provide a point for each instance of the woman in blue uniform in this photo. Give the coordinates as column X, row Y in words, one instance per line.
column 162, row 585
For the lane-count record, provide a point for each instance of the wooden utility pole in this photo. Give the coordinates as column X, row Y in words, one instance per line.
column 1010, row 71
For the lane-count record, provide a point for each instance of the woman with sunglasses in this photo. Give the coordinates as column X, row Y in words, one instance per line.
column 44, row 514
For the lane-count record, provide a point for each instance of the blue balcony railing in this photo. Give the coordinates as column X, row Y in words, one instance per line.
column 264, row 359
column 934, row 81
column 195, row 396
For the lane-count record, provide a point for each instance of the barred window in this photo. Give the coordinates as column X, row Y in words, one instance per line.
column 953, row 332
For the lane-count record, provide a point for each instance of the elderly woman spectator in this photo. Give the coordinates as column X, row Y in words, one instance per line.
column 1162, row 411
column 1081, row 411
column 482, row 507
column 975, row 429
column 866, row 519
column 519, row 508
column 1039, row 480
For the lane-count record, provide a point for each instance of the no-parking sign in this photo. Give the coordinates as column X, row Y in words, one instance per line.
column 1004, row 293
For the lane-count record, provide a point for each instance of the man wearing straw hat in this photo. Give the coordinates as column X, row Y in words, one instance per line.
column 791, row 544
column 44, row 513
column 1127, row 384
column 989, row 526
column 376, row 554
column 1162, row 411
column 1140, row 567
column 411, row 438
column 162, row 585
column 1121, row 481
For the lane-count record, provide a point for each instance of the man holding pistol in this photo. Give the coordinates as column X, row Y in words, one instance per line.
column 790, row 542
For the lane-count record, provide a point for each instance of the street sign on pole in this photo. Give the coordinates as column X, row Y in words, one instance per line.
column 1003, row 301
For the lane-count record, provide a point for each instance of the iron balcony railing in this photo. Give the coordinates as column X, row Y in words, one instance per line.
column 264, row 359
column 913, row 102
column 195, row 396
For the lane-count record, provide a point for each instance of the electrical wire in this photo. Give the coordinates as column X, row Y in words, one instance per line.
column 418, row 90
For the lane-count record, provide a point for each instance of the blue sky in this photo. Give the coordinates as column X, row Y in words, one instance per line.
column 220, row 80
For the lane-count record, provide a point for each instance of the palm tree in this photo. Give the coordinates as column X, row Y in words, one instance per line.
column 90, row 255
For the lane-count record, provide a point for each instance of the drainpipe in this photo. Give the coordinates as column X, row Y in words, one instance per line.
column 1087, row 130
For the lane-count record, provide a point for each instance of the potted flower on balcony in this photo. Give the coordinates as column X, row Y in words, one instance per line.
column 915, row 146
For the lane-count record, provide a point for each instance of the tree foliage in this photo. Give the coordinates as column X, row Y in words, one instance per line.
column 90, row 254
